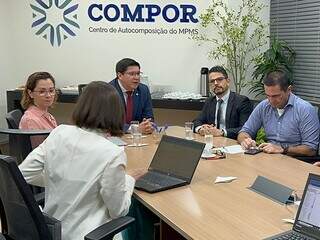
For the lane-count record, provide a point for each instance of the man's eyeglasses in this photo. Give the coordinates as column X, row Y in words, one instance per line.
column 134, row 74
column 43, row 92
column 218, row 80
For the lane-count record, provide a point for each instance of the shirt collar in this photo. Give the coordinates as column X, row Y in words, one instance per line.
column 290, row 100
column 123, row 89
column 225, row 97
column 37, row 111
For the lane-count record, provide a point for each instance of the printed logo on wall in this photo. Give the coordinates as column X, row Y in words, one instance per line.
column 60, row 30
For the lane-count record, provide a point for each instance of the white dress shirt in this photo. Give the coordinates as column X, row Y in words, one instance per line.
column 124, row 91
column 84, row 178
column 224, row 104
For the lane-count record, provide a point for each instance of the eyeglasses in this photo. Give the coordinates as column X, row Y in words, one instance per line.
column 134, row 74
column 218, row 80
column 42, row 92
column 218, row 152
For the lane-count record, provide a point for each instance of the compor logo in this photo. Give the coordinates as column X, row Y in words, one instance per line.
column 57, row 31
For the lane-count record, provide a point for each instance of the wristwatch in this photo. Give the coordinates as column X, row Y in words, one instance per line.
column 285, row 148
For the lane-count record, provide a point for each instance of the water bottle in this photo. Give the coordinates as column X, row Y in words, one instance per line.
column 204, row 82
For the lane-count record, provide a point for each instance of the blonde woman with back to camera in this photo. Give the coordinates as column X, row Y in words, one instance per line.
column 38, row 96
column 83, row 172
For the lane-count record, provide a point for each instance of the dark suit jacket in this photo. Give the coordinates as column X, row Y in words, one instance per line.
column 142, row 104
column 238, row 111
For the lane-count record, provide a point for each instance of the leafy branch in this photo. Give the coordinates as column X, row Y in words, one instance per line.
column 239, row 34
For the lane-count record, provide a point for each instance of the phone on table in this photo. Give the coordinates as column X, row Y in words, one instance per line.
column 253, row 151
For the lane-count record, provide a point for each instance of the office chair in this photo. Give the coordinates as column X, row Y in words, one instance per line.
column 21, row 218
column 81, row 88
column 19, row 140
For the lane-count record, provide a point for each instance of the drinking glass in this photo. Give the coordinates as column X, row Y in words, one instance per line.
column 188, row 128
column 208, row 139
column 136, row 133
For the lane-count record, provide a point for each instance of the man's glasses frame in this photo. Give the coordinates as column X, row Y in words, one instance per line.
column 134, row 74
column 218, row 80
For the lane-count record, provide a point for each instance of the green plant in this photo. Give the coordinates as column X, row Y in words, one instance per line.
column 278, row 56
column 239, row 34
column 261, row 137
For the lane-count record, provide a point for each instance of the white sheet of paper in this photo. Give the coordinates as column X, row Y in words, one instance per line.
column 118, row 141
column 131, row 137
column 141, row 145
column 233, row 149
column 224, row 179
column 288, row 220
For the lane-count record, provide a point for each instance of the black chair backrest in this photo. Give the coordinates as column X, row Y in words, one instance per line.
column 19, row 146
column 81, row 88
column 21, row 218
column 13, row 119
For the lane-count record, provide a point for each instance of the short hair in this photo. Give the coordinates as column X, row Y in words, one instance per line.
column 123, row 65
column 99, row 107
column 219, row 69
column 31, row 84
column 277, row 77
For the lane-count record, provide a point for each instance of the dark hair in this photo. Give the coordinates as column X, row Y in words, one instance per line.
column 277, row 77
column 123, row 65
column 219, row 69
column 99, row 107
column 31, row 84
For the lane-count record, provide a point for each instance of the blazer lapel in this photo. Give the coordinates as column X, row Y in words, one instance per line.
column 212, row 110
column 229, row 108
column 117, row 86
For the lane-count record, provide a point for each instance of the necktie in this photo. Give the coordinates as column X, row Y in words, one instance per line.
column 129, row 107
column 219, row 113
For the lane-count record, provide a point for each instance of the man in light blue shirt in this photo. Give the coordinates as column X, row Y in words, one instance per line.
column 291, row 124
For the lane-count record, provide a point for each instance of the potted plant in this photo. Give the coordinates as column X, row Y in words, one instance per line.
column 240, row 33
column 278, row 56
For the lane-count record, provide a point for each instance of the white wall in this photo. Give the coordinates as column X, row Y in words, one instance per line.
column 166, row 59
column 6, row 59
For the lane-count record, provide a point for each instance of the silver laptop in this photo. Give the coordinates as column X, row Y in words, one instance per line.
column 173, row 165
column 307, row 223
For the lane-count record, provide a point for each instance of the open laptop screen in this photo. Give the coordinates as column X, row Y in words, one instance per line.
column 177, row 157
column 308, row 220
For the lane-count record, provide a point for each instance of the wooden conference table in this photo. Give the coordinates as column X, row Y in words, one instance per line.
column 226, row 211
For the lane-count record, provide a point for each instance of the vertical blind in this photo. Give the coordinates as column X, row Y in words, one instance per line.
column 298, row 23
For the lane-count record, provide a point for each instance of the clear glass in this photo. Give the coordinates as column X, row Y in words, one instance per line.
column 188, row 128
column 208, row 139
column 136, row 134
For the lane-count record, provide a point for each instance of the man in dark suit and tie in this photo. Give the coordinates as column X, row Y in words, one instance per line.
column 135, row 96
column 225, row 113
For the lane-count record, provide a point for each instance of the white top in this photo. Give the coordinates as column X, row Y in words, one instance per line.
column 85, row 179
column 224, row 104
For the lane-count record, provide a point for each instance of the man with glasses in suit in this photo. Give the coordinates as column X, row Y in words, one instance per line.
column 135, row 96
column 224, row 113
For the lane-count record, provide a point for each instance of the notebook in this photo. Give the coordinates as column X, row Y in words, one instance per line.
column 173, row 165
column 307, row 222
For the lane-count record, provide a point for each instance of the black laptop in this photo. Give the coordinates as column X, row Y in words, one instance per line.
column 173, row 165
column 307, row 223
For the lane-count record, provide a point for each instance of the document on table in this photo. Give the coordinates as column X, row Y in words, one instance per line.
column 233, row 149
column 118, row 141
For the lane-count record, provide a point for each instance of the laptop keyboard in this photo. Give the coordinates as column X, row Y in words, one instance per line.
column 157, row 179
column 291, row 236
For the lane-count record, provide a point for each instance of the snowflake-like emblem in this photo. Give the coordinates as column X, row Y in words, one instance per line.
column 62, row 30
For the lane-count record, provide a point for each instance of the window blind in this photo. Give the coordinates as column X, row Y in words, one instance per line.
column 298, row 23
